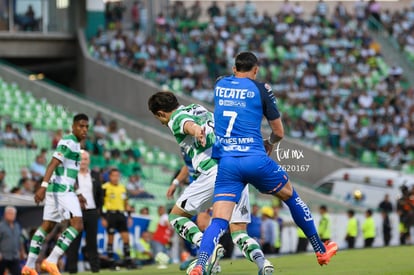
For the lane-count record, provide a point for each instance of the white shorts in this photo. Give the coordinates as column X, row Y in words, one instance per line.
column 198, row 197
column 61, row 206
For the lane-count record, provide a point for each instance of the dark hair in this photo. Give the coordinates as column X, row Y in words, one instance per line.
column 323, row 207
column 79, row 117
column 113, row 170
column 162, row 101
column 369, row 212
column 245, row 61
column 351, row 212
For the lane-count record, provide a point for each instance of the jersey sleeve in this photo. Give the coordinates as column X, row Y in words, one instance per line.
column 177, row 125
column 62, row 151
column 270, row 110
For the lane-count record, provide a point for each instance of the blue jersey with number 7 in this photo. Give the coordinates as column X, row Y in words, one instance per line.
column 240, row 104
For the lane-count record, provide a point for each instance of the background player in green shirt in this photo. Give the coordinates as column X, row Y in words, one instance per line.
column 61, row 201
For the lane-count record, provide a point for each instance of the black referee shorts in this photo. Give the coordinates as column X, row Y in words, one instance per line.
column 116, row 222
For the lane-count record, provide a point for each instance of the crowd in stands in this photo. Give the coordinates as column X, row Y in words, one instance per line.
column 109, row 146
column 326, row 71
column 400, row 25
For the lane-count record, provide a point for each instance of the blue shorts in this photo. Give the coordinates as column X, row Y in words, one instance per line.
column 235, row 172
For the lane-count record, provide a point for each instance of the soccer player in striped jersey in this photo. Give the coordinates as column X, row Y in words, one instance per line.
column 193, row 129
column 58, row 187
column 241, row 102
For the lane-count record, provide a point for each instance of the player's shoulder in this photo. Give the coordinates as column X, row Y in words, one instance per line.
column 69, row 139
column 263, row 86
column 222, row 77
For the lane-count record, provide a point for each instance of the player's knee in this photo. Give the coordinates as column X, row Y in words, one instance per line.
column 77, row 224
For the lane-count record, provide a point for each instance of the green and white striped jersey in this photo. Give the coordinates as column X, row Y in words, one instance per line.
column 200, row 156
column 64, row 176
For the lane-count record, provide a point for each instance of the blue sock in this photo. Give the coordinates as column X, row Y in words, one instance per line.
column 210, row 239
column 302, row 216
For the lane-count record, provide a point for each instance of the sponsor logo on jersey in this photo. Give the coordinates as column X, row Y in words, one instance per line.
column 232, row 103
column 233, row 93
column 239, row 148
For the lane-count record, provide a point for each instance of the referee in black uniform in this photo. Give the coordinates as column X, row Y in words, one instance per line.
column 90, row 186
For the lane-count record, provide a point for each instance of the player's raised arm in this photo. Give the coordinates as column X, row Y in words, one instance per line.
column 195, row 130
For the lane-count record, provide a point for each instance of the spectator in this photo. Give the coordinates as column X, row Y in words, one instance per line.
column 145, row 256
column 386, row 205
column 89, row 185
column 360, row 10
column 254, row 227
column 114, row 133
column 270, row 230
column 24, row 174
column 135, row 188
column 386, row 227
column 302, row 241
column 38, row 167
column 195, row 11
column 214, row 10
column 161, row 238
column 135, row 16
column 322, row 9
column 27, row 135
column 56, row 137
column 27, row 187
column 351, row 229
column 29, row 21
column 99, row 129
column 374, row 9
column 11, row 246
column 3, row 185
column 368, row 229
column 9, row 137
column 279, row 227
column 324, row 228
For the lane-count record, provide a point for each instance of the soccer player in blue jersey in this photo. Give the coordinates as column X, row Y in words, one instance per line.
column 243, row 156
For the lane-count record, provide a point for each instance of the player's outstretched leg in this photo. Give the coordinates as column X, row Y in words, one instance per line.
column 302, row 216
column 331, row 249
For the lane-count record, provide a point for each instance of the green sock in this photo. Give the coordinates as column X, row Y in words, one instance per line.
column 62, row 244
column 249, row 247
column 186, row 228
column 35, row 247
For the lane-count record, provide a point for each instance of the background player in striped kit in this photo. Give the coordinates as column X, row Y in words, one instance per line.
column 61, row 201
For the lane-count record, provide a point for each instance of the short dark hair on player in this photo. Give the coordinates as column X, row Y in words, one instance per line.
column 79, row 117
column 162, row 101
column 245, row 61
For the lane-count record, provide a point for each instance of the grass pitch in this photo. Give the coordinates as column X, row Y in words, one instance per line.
column 387, row 260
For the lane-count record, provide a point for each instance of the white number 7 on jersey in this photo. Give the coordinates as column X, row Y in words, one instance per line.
column 232, row 116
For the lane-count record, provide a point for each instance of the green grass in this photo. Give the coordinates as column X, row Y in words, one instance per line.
column 388, row 260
